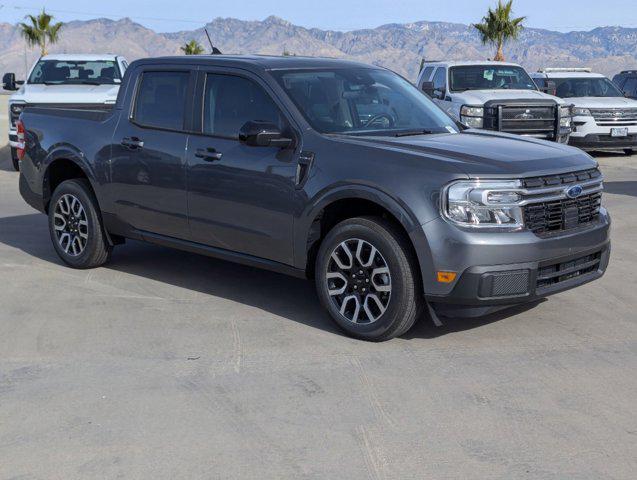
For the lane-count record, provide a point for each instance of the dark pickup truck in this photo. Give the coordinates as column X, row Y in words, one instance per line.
column 319, row 168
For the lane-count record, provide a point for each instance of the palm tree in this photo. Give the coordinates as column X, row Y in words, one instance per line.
column 193, row 47
column 40, row 31
column 498, row 27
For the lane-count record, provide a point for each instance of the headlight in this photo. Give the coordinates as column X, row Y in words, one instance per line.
column 581, row 112
column 565, row 116
column 472, row 116
column 483, row 204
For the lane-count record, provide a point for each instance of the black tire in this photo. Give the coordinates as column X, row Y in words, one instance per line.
column 405, row 300
column 15, row 160
column 96, row 250
column 628, row 151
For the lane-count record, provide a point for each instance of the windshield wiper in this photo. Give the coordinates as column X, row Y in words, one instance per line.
column 409, row 133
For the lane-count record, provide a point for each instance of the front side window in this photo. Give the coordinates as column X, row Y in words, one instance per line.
column 362, row 101
column 586, row 87
column 231, row 101
column 161, row 100
column 489, row 77
column 630, row 87
column 67, row 72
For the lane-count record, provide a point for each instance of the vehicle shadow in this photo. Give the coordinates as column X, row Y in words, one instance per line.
column 6, row 163
column 626, row 187
column 284, row 296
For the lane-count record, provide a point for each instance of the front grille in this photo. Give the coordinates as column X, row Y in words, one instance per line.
column 616, row 117
column 550, row 210
column 550, row 275
column 538, row 121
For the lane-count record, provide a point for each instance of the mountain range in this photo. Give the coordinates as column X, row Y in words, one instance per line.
column 396, row 46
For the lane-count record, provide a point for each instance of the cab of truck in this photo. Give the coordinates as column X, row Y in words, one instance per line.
column 496, row 96
column 603, row 118
column 64, row 80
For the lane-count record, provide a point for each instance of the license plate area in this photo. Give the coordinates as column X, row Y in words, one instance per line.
column 619, row 132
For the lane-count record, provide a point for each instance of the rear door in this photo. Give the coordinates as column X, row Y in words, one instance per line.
column 240, row 197
column 148, row 165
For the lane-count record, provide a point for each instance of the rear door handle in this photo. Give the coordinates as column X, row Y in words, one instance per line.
column 132, row 143
column 208, row 154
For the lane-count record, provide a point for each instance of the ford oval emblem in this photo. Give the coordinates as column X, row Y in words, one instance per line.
column 574, row 192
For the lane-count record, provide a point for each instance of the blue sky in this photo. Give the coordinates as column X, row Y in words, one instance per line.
column 162, row 15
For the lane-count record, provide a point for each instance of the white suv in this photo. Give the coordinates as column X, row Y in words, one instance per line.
column 603, row 118
column 496, row 96
column 66, row 80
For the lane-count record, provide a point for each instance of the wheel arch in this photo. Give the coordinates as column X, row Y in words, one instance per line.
column 62, row 164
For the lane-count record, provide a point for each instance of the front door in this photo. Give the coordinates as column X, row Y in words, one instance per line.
column 239, row 197
column 148, row 164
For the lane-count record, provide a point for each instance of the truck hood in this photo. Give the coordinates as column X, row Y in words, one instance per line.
column 480, row 97
column 31, row 93
column 603, row 102
column 479, row 153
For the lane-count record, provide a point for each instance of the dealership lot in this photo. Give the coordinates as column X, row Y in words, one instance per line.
column 164, row 364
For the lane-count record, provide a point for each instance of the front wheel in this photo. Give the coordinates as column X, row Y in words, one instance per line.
column 628, row 151
column 76, row 227
column 15, row 159
column 367, row 279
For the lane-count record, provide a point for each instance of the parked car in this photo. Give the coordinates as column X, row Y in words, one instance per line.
column 496, row 96
column 603, row 118
column 90, row 81
column 267, row 161
column 627, row 83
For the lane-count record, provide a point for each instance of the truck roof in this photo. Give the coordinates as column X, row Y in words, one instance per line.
column 566, row 73
column 266, row 62
column 459, row 63
column 82, row 57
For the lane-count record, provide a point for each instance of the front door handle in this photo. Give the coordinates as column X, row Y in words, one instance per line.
column 132, row 143
column 208, row 154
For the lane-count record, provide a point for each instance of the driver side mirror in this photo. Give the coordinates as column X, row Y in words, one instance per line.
column 8, row 82
column 428, row 88
column 263, row 134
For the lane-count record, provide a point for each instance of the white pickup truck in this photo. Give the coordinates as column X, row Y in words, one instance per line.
column 603, row 118
column 497, row 96
column 84, row 81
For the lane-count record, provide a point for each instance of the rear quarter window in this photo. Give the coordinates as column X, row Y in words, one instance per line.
column 161, row 100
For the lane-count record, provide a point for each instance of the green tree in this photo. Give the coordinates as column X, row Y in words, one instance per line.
column 498, row 27
column 193, row 47
column 40, row 31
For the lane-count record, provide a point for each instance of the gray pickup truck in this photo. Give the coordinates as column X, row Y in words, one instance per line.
column 320, row 168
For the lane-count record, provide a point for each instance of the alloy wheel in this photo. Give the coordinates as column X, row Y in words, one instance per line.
column 358, row 281
column 70, row 224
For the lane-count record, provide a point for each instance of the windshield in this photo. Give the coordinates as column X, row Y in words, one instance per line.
column 363, row 101
column 69, row 72
column 586, row 87
column 489, row 77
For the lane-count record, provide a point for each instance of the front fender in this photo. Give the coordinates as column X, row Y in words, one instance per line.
column 303, row 223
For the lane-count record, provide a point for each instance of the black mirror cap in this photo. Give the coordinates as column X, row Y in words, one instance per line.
column 8, row 82
column 428, row 88
column 263, row 134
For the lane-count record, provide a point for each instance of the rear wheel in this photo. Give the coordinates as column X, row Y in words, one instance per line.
column 628, row 151
column 14, row 159
column 367, row 279
column 76, row 227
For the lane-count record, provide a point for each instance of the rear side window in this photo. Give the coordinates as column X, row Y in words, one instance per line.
column 630, row 87
column 161, row 100
column 231, row 101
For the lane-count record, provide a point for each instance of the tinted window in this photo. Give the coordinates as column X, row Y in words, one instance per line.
column 161, row 99
column 426, row 74
column 630, row 87
column 362, row 101
column 541, row 83
column 586, row 87
column 57, row 72
column 231, row 101
column 489, row 77
column 440, row 80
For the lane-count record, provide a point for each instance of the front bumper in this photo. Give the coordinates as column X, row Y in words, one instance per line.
column 495, row 270
column 594, row 141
